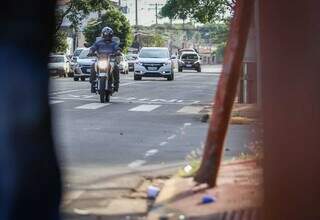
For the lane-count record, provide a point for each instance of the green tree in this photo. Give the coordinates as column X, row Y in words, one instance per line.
column 204, row 11
column 114, row 19
column 60, row 42
column 158, row 41
column 76, row 10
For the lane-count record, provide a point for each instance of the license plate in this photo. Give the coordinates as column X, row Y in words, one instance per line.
column 188, row 65
column 89, row 70
column 102, row 74
column 152, row 68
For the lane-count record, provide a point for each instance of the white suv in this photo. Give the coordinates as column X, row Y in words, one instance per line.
column 59, row 65
column 154, row 62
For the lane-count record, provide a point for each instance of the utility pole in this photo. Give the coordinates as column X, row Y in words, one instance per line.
column 155, row 8
column 136, row 12
column 156, row 13
column 119, row 3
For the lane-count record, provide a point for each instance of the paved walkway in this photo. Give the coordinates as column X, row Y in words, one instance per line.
column 238, row 196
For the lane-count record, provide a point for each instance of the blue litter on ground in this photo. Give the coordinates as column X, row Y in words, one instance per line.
column 153, row 192
column 208, row 199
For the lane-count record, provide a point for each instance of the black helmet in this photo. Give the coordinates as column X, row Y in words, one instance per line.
column 107, row 33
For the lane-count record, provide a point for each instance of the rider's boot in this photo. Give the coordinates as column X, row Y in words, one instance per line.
column 93, row 87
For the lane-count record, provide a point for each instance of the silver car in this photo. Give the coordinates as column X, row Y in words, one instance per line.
column 84, row 65
column 154, row 62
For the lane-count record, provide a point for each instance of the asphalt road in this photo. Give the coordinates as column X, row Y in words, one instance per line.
column 149, row 123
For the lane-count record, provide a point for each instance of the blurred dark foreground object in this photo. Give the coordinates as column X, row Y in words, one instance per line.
column 29, row 173
column 290, row 53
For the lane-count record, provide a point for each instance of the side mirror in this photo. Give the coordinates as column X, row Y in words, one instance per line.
column 86, row 44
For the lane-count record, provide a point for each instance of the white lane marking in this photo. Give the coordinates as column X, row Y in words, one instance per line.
column 137, row 163
column 163, row 143
column 92, row 106
column 131, row 98
column 121, row 100
column 144, row 108
column 172, row 100
column 75, row 96
column 180, row 101
column 191, row 109
column 88, row 96
column 81, row 211
column 187, row 124
column 151, row 152
column 125, row 84
column 52, row 102
column 67, row 91
column 172, row 137
column 143, row 99
column 158, row 100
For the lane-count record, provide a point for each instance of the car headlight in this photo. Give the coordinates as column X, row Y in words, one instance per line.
column 139, row 63
column 103, row 64
column 167, row 63
column 197, row 62
column 181, row 62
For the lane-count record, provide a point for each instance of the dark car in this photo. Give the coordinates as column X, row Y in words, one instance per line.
column 189, row 60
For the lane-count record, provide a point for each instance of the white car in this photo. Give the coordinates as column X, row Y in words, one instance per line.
column 131, row 59
column 123, row 64
column 59, row 65
column 154, row 62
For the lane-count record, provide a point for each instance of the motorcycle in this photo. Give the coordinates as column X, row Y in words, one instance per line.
column 104, row 80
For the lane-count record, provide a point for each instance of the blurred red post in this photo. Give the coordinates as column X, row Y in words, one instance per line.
column 226, row 92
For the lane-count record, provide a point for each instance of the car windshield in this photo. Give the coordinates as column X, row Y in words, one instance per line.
column 77, row 52
column 189, row 56
column 56, row 59
column 131, row 57
column 84, row 54
column 154, row 53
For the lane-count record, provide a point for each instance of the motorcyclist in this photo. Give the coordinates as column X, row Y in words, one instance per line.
column 106, row 46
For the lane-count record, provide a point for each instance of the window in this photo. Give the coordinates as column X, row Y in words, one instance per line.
column 56, row 59
column 154, row 53
column 189, row 56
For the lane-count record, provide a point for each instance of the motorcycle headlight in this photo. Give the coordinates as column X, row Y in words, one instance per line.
column 103, row 64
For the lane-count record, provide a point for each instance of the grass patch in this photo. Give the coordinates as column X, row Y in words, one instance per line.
column 190, row 170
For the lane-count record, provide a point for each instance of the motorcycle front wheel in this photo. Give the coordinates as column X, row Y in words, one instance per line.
column 102, row 90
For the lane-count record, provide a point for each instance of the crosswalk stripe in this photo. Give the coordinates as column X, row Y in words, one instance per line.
column 137, row 163
column 191, row 109
column 52, row 102
column 92, row 106
column 144, row 108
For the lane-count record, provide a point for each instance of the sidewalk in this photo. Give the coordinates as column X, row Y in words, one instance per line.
column 112, row 195
column 238, row 196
